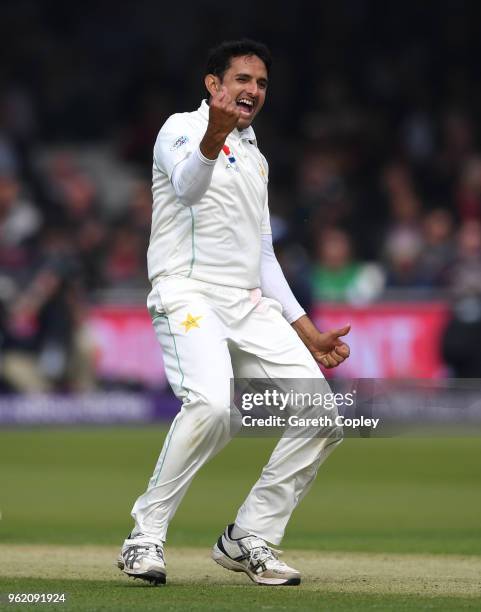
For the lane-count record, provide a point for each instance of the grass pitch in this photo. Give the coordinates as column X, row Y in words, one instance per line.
column 331, row 581
column 389, row 525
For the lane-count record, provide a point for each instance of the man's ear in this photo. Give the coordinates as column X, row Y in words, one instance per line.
column 212, row 84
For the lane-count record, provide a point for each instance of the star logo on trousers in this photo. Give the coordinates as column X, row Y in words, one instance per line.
column 190, row 322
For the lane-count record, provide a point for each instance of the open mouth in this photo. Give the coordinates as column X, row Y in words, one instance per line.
column 246, row 105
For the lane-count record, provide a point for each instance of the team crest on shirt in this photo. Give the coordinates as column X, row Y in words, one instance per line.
column 182, row 140
column 232, row 160
column 190, row 322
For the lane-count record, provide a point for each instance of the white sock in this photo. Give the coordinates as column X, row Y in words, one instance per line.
column 237, row 532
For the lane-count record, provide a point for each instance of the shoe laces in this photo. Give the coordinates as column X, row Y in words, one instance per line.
column 147, row 549
column 262, row 553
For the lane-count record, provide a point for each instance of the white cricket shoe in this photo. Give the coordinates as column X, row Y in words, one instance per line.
column 141, row 558
column 255, row 557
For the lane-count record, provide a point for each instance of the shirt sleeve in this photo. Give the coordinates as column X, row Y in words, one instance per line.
column 175, row 142
column 192, row 176
column 274, row 284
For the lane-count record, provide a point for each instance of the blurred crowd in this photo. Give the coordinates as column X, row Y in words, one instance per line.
column 373, row 145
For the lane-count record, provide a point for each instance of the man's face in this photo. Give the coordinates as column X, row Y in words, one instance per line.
column 246, row 83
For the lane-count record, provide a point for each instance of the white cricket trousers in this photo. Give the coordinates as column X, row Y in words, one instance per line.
column 209, row 334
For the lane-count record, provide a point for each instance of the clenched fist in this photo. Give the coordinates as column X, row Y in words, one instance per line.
column 223, row 118
column 327, row 348
column 223, row 112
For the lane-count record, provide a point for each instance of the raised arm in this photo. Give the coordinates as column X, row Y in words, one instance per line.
column 191, row 177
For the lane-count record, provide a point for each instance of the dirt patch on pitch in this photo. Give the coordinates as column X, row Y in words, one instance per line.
column 427, row 575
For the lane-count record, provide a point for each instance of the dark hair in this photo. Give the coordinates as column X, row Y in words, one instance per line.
column 219, row 58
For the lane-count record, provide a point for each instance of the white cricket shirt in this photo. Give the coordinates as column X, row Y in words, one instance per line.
column 217, row 239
